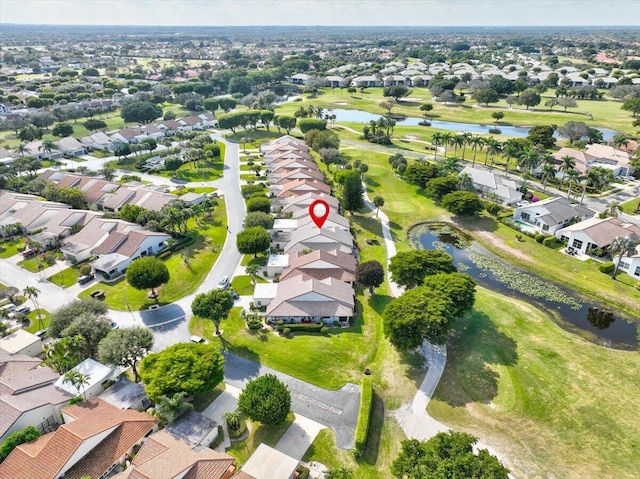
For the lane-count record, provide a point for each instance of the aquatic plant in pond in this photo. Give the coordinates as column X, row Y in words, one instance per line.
column 522, row 282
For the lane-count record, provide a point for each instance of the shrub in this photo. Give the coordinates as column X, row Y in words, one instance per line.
column 495, row 131
column 324, row 330
column 540, row 238
column 493, row 208
column 279, row 325
column 528, row 196
column 307, row 328
column 85, row 269
column 364, row 415
column 254, row 324
column 607, row 268
column 287, row 332
column 549, row 241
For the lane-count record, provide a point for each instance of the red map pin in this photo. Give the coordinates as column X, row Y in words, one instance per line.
column 319, row 211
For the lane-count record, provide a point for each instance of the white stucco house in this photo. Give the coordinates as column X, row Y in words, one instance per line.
column 97, row 373
column 596, row 233
column 630, row 264
column 550, row 215
column 22, row 342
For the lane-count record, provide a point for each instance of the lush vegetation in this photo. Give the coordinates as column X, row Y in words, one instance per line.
column 364, row 415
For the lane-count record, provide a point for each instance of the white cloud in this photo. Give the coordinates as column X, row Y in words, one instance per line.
column 322, row 12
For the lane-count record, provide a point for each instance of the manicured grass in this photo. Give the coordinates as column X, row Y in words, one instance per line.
column 552, row 403
column 248, row 259
column 631, row 207
column 67, row 277
column 11, row 248
column 35, row 324
column 184, row 191
column 202, row 401
column 259, row 134
column 243, row 284
column 251, row 177
column 258, row 434
column 184, row 278
column 33, row 264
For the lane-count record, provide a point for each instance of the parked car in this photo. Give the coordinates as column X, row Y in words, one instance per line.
column 24, row 309
column 197, row 339
column 235, row 295
column 29, row 252
column 42, row 333
column 213, row 195
column 85, row 279
column 114, row 325
column 223, row 283
column 153, row 307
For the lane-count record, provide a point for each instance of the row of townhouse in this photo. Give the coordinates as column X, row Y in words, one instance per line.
column 316, row 266
column 100, row 436
column 81, row 234
column 617, row 160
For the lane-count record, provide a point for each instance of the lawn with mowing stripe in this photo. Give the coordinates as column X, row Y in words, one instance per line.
column 184, row 278
column 552, row 403
column 11, row 248
column 243, row 285
column 631, row 207
column 67, row 277
column 36, row 324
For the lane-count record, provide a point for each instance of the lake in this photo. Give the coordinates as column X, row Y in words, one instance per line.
column 359, row 116
column 604, row 326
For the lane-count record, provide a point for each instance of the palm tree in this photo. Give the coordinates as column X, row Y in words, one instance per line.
column 613, row 209
column 597, row 177
column 171, row 408
column 378, row 202
column 77, row 380
column 450, row 165
column 568, row 163
column 234, row 419
column 21, row 149
column 529, row 159
column 436, row 139
column 573, row 177
column 47, row 146
column 31, row 292
column 548, row 171
column 620, row 140
column 621, row 246
column 466, row 137
column 446, row 140
column 340, row 472
column 510, row 149
column 475, row 142
column 465, row 182
column 252, row 270
column 494, row 148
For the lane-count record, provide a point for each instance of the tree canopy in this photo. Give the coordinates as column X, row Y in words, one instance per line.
column 125, row 347
column 446, row 455
column 396, row 91
column 63, row 317
column 462, row 203
column 460, row 288
column 214, row 305
column 370, row 274
column 16, row 438
column 140, row 112
column 260, row 203
column 253, row 240
column 265, row 399
column 148, row 272
column 192, row 368
column 409, row 268
column 92, row 328
column 258, row 218
column 352, row 198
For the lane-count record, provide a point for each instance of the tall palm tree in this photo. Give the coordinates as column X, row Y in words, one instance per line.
column 21, row 149
column 613, row 209
column 450, row 165
column 529, row 159
column 77, row 380
column 568, row 163
column 475, row 142
column 494, row 147
column 446, row 140
column 47, row 146
column 465, row 182
column 620, row 140
column 573, row 177
column 466, row 137
column 252, row 270
column 32, row 292
column 436, row 140
column 548, row 171
column 510, row 149
column 621, row 246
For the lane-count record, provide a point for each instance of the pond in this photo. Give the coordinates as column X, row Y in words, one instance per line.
column 604, row 326
column 359, row 116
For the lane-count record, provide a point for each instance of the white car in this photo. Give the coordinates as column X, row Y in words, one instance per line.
column 197, row 339
column 223, row 283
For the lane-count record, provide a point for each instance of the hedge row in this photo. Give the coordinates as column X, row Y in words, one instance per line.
column 364, row 415
column 308, row 328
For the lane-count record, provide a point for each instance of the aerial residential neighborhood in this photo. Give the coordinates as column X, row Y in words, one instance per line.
column 236, row 246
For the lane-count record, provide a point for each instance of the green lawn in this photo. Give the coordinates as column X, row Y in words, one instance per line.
column 259, row 434
column 249, row 259
column 631, row 207
column 184, row 191
column 552, row 403
column 243, row 284
column 185, row 278
column 11, row 248
column 35, row 324
column 67, row 277
column 33, row 264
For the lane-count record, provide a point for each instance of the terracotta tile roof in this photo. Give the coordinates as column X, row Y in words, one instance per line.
column 68, row 181
column 51, row 453
column 290, row 164
column 298, row 173
column 321, row 264
column 128, row 133
column 294, row 203
column 11, row 364
column 164, row 456
column 111, row 244
column 303, row 186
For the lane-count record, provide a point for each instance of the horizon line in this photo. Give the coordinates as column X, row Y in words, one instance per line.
column 317, row 25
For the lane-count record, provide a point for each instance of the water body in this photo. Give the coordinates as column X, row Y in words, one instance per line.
column 605, row 326
column 359, row 116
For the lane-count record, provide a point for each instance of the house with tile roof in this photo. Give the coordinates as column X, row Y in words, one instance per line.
column 320, row 265
column 281, row 166
column 164, row 456
column 490, row 183
column 610, row 158
column 28, row 396
column 596, row 233
column 279, row 179
column 306, row 299
column 27, row 212
column 299, row 188
column 126, row 135
column 117, row 252
column 283, row 227
column 296, row 203
column 284, row 141
column 550, row 215
column 71, row 147
column 95, row 438
column 312, row 238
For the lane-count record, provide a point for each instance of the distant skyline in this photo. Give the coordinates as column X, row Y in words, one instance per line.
column 323, row 12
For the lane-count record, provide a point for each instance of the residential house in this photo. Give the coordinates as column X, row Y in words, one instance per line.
column 125, row 394
column 94, row 440
column 595, row 233
column 279, row 168
column 189, row 123
column 264, row 293
column 366, row 81
column 69, row 146
column 295, row 174
column 25, row 211
column 170, row 127
column 276, row 263
column 298, row 188
column 334, row 221
column 299, row 79
column 283, row 227
column 629, row 264
column 320, row 265
column 6, row 157
column 21, row 342
column 36, row 150
column 296, row 203
column 139, row 196
column 580, row 158
column 97, row 375
column 11, row 364
column 280, row 155
column 126, row 135
column 192, row 198
column 283, row 141
column 116, row 253
column 550, row 215
column 150, row 131
column 610, row 158
column 98, row 141
column 313, row 238
column 207, row 120
column 164, row 456
column 488, row 183
column 79, row 247
column 268, row 463
column 29, row 397
column 306, row 299
column 335, row 81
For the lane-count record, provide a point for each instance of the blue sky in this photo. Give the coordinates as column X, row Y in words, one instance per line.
column 322, row 12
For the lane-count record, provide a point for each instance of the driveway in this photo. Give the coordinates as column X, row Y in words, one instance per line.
column 297, row 439
column 337, row 410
